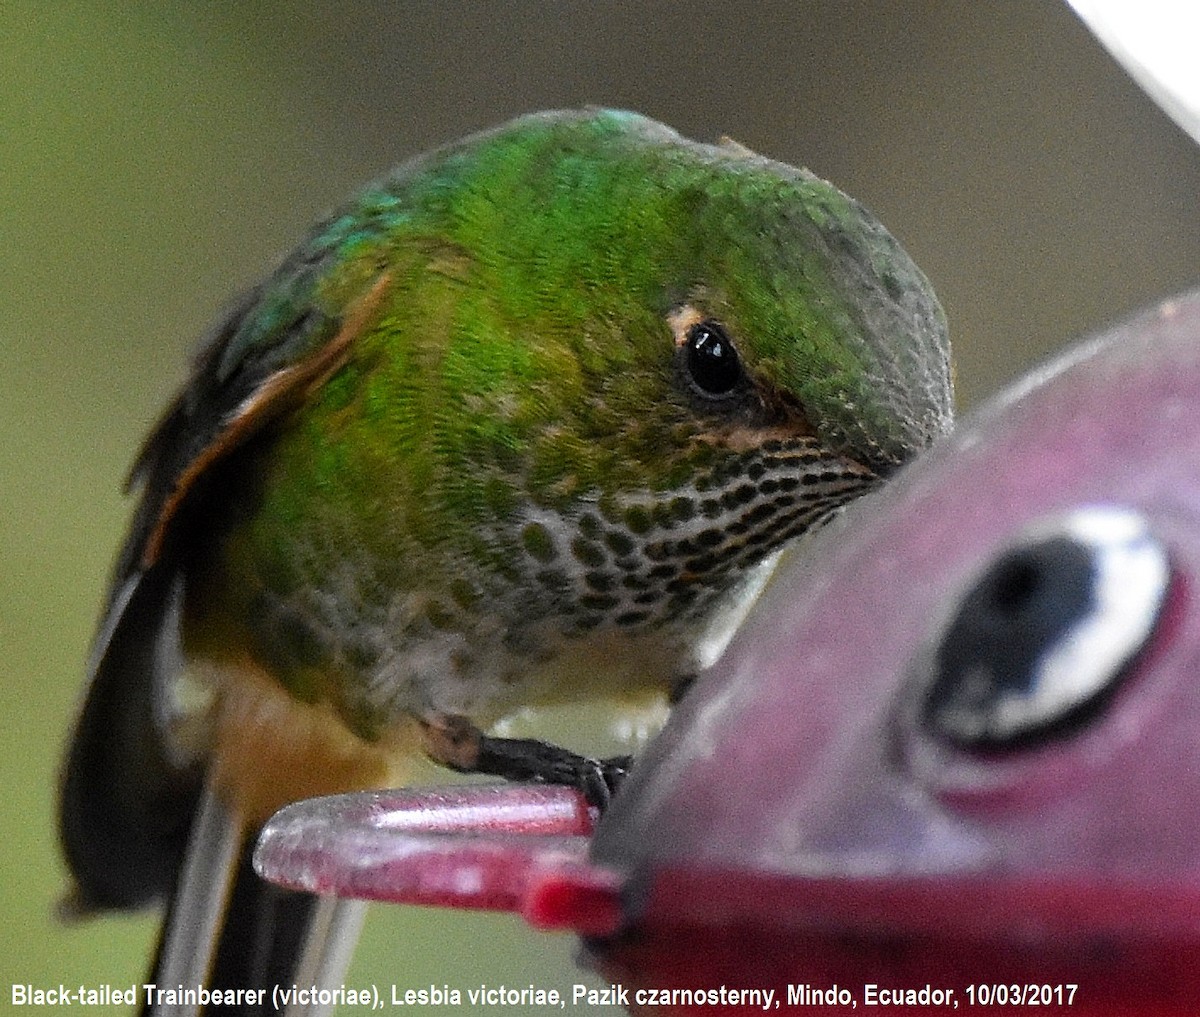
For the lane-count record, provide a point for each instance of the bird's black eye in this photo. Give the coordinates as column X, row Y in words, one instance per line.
column 712, row 362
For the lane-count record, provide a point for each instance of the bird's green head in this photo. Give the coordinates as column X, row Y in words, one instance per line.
column 634, row 303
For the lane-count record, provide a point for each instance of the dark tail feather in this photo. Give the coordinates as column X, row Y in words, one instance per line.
column 126, row 804
column 264, row 936
column 227, row 929
column 261, row 940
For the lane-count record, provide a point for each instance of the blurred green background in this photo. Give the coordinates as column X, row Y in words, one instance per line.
column 156, row 158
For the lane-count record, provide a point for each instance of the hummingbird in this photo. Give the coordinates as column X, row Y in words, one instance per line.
column 518, row 425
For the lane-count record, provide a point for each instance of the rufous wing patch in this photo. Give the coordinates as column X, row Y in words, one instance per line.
column 279, row 391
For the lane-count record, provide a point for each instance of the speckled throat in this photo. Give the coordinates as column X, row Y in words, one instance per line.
column 651, row 559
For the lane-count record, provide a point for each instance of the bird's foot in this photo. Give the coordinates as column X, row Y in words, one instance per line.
column 456, row 743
